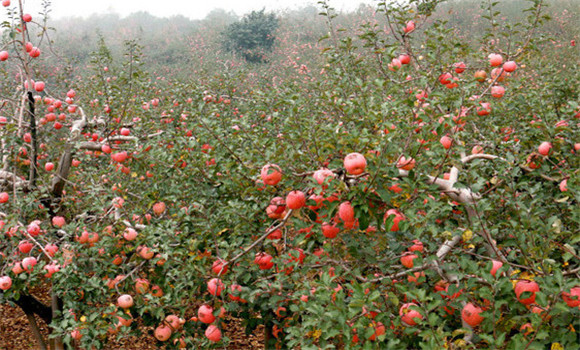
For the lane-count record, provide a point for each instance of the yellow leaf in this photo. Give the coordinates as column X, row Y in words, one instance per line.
column 467, row 235
column 557, row 346
column 222, row 231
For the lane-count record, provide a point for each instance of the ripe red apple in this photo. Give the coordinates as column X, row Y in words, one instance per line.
column 346, row 212
column 119, row 157
column 39, row 86
column 5, row 282
column 58, row 221
column 459, row 67
column 49, row 166
column 485, row 109
column 51, row 249
column 497, row 91
column 355, row 163
column 404, row 58
column 496, row 265
column 141, row 286
column 495, row 59
column 145, row 252
column 4, row 197
column 35, row 52
column 205, row 314
column 409, row 317
column 563, row 185
column 129, row 234
column 33, row 228
column 446, row 142
column 158, row 208
column 406, row 164
column 321, row 175
column 445, row 78
column 271, row 174
column 278, row 205
column 407, row 259
column 409, row 27
column 276, row 234
column 379, row 330
column 125, row 301
column 213, row 333
column 329, row 231
column 572, row 299
column 510, row 66
column 263, row 260
column 417, row 246
column 544, row 148
column 524, row 286
column 480, row 76
column 163, row 332
column 295, row 200
column 29, row 263
column 219, row 267
column 106, row 149
column 125, row 131
column 394, row 65
column 471, row 314
column 215, row 286
column 398, row 218
column 25, row 247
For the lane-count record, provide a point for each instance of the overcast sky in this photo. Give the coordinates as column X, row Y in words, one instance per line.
column 194, row 9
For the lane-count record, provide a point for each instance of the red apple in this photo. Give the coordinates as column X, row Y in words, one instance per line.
column 321, row 175
column 329, row 231
column 295, row 200
column 215, row 286
column 510, row 66
column 525, row 286
column 409, row 317
column 125, row 301
column 355, row 163
column 471, row 314
column 459, row 67
column 572, row 299
column 406, row 164
column 213, row 333
column 219, row 267
column 495, row 59
column 544, row 148
column 496, row 265
column 407, row 259
column 5, row 282
column 205, row 314
column 163, row 332
column 346, row 212
column 446, row 142
column 497, row 91
column 271, row 174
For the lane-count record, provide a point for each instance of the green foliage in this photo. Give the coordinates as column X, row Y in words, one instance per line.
column 253, row 36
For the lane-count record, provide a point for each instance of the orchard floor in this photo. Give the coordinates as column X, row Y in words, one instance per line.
column 16, row 334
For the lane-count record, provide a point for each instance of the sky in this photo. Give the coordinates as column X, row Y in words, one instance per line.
column 193, row 9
